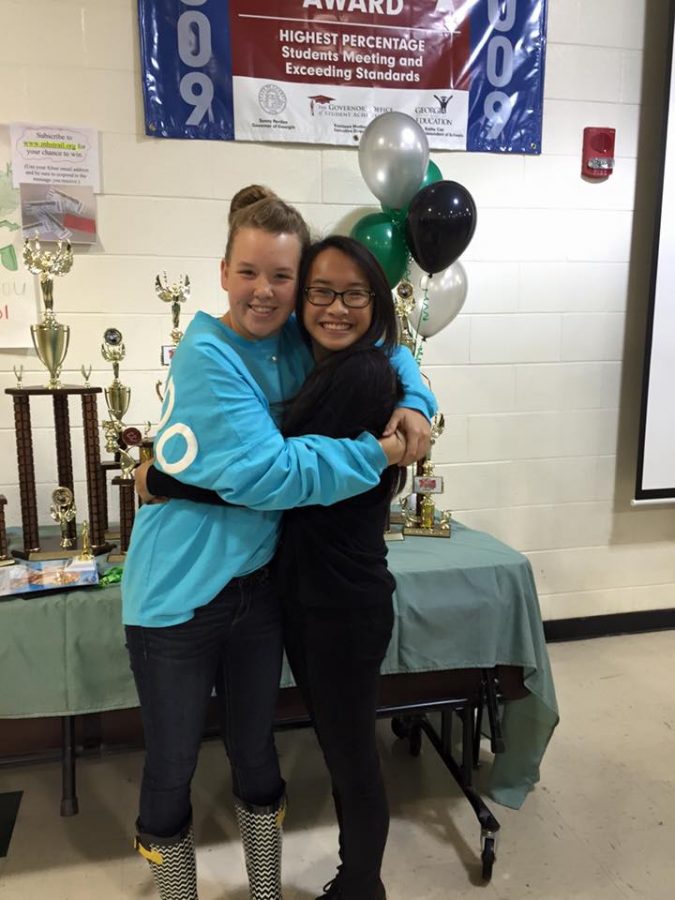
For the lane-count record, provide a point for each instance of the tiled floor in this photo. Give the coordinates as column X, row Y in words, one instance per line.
column 599, row 826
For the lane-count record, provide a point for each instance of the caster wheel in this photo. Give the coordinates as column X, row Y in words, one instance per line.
column 400, row 727
column 415, row 740
column 488, row 858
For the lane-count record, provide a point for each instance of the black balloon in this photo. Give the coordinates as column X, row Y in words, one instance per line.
column 440, row 224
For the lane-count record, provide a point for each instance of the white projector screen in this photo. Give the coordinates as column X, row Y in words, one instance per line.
column 656, row 457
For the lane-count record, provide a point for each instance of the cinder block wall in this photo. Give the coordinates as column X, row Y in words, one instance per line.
column 539, row 376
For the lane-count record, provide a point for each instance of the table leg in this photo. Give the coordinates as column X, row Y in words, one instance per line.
column 69, row 804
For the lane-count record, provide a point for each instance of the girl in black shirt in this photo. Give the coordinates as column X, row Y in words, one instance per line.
column 331, row 562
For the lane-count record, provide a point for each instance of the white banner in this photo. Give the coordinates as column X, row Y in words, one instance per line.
column 339, row 115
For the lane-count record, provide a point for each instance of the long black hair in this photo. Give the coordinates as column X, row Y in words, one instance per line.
column 366, row 362
column 383, row 328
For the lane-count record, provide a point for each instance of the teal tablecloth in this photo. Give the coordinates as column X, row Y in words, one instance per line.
column 467, row 602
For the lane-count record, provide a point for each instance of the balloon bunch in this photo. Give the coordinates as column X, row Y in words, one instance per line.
column 423, row 217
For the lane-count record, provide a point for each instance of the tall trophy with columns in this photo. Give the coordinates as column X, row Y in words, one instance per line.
column 51, row 339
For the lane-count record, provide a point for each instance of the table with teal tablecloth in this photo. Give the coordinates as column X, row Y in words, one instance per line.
column 466, row 602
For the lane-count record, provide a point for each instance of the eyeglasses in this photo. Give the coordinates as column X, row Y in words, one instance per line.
column 324, row 296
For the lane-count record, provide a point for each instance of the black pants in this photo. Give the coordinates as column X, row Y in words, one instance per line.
column 335, row 656
column 233, row 645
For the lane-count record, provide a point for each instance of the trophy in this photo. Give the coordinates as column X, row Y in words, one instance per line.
column 119, row 438
column 175, row 294
column 118, row 395
column 51, row 342
column 422, row 522
column 85, row 552
column 5, row 558
column 404, row 304
column 63, row 512
column 50, row 339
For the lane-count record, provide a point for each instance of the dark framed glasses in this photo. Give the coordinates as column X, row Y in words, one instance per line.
column 354, row 298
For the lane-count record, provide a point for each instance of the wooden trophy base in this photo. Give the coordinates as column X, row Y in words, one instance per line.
column 50, row 548
column 7, row 562
column 394, row 534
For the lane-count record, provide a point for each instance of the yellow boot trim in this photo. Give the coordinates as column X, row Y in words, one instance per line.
column 281, row 815
column 153, row 856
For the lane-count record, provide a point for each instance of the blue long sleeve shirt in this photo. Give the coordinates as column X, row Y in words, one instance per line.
column 218, row 430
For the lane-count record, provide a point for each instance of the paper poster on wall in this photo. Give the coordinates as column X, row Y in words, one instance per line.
column 318, row 71
column 55, row 154
column 65, row 213
column 18, row 306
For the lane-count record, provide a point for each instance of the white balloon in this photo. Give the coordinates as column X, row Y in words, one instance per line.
column 393, row 158
column 446, row 293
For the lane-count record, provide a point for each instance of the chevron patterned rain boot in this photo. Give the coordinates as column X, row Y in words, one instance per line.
column 261, row 832
column 172, row 861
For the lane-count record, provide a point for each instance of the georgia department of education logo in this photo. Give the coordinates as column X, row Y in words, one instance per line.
column 272, row 99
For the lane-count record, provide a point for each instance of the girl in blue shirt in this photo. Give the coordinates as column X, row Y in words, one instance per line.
column 200, row 609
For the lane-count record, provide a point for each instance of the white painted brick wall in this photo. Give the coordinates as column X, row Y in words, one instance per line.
column 537, row 377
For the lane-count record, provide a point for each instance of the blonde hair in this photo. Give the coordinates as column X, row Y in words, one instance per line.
column 256, row 206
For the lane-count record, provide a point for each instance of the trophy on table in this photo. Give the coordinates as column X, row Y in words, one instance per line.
column 404, row 303
column 5, row 558
column 63, row 513
column 175, row 294
column 120, row 438
column 51, row 340
column 422, row 522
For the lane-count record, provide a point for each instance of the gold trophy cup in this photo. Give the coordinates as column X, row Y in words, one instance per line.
column 50, row 339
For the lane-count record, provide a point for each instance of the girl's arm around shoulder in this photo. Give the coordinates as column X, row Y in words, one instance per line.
column 217, row 433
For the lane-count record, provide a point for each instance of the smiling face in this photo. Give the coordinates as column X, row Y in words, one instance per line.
column 337, row 326
column 260, row 278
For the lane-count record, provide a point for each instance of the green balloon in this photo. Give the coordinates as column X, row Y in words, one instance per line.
column 432, row 175
column 386, row 242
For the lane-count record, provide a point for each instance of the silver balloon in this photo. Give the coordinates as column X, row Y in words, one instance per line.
column 393, row 158
column 446, row 293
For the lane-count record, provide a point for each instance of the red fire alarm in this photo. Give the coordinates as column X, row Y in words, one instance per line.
column 597, row 157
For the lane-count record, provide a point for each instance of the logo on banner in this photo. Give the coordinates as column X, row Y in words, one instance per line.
column 272, row 99
column 319, row 98
column 443, row 102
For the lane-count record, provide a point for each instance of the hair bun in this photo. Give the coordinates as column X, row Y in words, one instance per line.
column 248, row 195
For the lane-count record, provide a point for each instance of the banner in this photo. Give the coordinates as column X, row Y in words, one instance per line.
column 471, row 72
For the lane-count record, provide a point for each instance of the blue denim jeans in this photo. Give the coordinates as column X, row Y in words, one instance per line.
column 234, row 645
